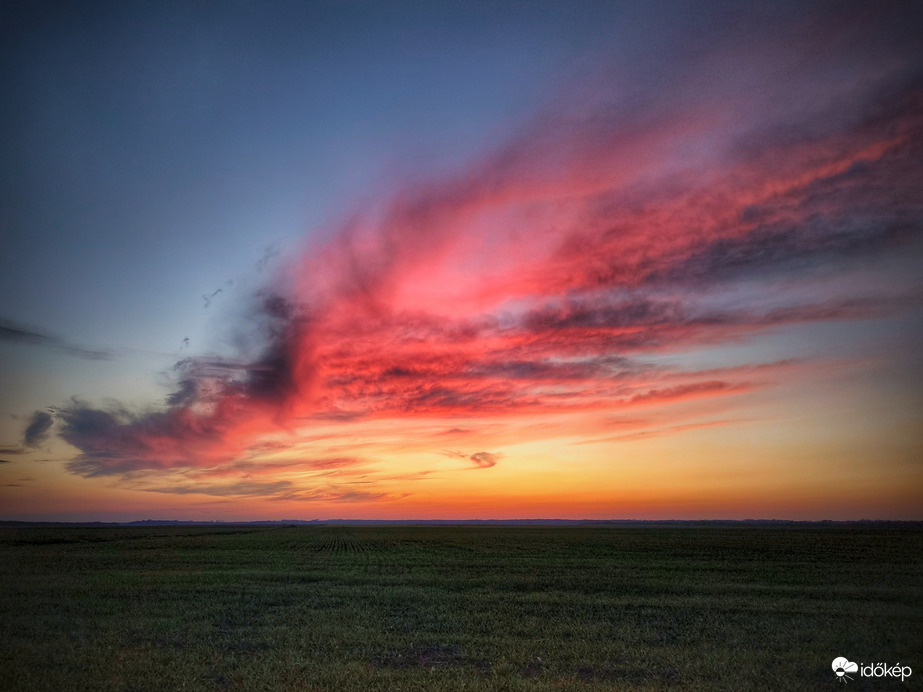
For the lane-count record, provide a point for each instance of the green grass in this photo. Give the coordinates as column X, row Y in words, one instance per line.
column 455, row 608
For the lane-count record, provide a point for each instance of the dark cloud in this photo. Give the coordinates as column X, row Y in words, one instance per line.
column 587, row 314
column 186, row 393
column 17, row 333
column 5, row 461
column 37, row 430
column 282, row 329
column 650, row 322
column 854, row 230
column 211, row 396
column 808, row 244
column 557, row 370
column 119, row 442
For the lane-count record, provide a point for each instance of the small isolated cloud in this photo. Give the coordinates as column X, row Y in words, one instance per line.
column 484, row 460
column 37, row 430
column 5, row 461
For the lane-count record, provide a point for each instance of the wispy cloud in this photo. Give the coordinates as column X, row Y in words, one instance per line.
column 241, row 489
column 660, row 431
column 14, row 332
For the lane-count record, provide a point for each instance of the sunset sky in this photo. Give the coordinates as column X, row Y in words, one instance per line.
column 299, row 260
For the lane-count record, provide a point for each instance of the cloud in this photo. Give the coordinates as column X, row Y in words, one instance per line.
column 38, row 428
column 345, row 496
column 17, row 333
column 484, row 460
column 5, row 461
column 740, row 192
column 242, row 489
column 647, row 433
column 328, row 467
column 481, row 460
column 277, row 490
column 209, row 296
column 687, row 391
column 119, row 442
column 337, row 463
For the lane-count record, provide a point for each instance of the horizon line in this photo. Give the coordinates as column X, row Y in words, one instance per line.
column 398, row 522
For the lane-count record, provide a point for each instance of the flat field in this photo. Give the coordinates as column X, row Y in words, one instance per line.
column 452, row 608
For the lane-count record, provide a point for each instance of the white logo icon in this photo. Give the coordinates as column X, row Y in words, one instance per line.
column 841, row 666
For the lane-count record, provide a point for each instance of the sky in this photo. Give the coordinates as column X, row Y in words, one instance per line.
column 443, row 260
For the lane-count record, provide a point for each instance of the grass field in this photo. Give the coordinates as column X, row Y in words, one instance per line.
column 495, row 608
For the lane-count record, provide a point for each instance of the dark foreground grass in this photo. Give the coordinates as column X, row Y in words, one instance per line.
column 495, row 608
